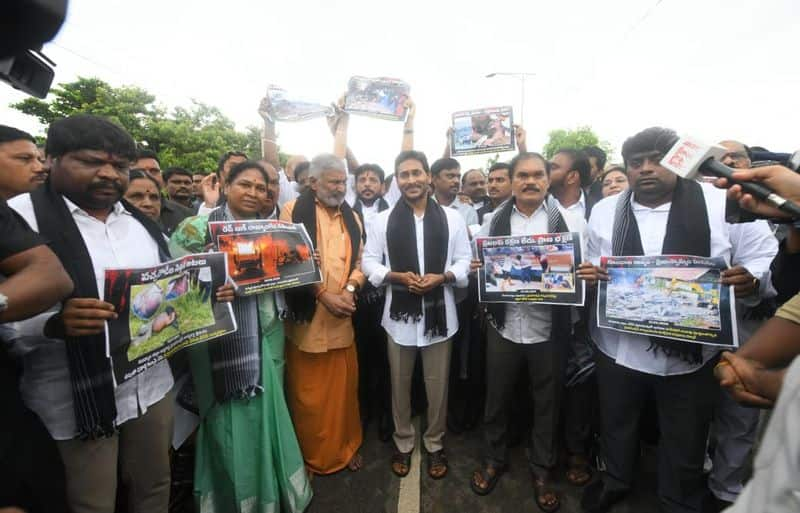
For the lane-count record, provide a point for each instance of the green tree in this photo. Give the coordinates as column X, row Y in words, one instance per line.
column 579, row 138
column 192, row 137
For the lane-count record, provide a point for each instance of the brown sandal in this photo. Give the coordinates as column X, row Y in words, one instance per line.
column 401, row 463
column 542, row 489
column 578, row 470
column 489, row 474
column 437, row 464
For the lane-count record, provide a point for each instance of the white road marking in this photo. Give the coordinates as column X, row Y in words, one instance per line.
column 408, row 499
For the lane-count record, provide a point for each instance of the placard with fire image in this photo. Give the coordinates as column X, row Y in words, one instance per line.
column 530, row 269
column 668, row 296
column 162, row 309
column 266, row 255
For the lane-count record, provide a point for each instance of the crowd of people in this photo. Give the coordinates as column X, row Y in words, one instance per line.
column 394, row 327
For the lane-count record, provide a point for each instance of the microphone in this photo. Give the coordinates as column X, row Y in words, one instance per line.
column 689, row 158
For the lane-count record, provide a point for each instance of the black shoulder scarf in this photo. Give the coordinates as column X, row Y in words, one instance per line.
column 501, row 226
column 300, row 301
column 401, row 246
column 688, row 233
column 90, row 368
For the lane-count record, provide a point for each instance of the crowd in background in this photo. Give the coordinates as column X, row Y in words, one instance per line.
column 394, row 328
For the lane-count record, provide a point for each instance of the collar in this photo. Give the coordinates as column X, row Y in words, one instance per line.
column 638, row 207
column 117, row 209
column 542, row 208
column 581, row 201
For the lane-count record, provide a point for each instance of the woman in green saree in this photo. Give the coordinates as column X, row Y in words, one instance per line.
column 247, row 457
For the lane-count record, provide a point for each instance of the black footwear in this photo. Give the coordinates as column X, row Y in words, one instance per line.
column 596, row 499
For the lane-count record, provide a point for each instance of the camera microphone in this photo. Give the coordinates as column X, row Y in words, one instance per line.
column 688, row 158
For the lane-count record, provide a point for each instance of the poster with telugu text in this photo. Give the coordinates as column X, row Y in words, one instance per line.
column 162, row 309
column 266, row 255
column 533, row 269
column 669, row 296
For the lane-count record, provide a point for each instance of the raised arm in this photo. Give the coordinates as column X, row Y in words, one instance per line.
column 408, row 127
column 333, row 124
column 449, row 137
column 521, row 136
column 269, row 141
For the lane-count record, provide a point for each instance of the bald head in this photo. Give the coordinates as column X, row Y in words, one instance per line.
column 736, row 156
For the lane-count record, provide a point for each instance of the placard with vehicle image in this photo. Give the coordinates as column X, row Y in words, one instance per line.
column 382, row 97
column 669, row 296
column 531, row 269
column 287, row 107
column 162, row 309
column 266, row 255
column 489, row 130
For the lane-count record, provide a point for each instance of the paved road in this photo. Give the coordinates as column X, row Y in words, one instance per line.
column 375, row 489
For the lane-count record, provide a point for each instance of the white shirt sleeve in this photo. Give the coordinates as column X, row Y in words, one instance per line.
column 372, row 257
column 754, row 247
column 462, row 252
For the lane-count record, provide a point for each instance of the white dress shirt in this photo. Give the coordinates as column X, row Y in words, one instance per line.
column 530, row 324
column 458, row 260
column 578, row 208
column 287, row 190
column 751, row 245
column 46, row 386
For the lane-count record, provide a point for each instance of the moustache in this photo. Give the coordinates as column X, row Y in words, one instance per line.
column 106, row 185
column 529, row 188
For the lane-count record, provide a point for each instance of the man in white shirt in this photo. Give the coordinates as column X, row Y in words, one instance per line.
column 570, row 172
column 419, row 251
column 373, row 365
column 529, row 335
column 101, row 430
column 664, row 214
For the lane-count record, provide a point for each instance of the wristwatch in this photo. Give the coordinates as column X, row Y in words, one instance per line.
column 3, row 302
column 350, row 288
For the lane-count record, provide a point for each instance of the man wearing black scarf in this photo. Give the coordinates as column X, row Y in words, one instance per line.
column 102, row 429
column 663, row 214
column 531, row 336
column 419, row 250
column 373, row 364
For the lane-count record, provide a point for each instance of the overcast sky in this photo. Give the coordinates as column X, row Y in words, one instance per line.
column 716, row 69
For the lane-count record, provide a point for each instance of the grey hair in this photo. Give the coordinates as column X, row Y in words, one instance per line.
column 325, row 162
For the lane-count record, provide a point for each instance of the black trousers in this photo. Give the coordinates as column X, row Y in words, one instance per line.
column 684, row 404
column 468, row 365
column 504, row 360
column 374, row 386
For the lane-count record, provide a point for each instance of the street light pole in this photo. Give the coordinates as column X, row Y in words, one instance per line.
column 521, row 76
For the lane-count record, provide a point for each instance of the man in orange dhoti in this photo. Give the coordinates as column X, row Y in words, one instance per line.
column 321, row 361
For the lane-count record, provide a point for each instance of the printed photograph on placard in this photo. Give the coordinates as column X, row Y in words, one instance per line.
column 164, row 308
column 489, row 130
column 530, row 269
column 266, row 255
column 286, row 107
column 670, row 296
column 381, row 97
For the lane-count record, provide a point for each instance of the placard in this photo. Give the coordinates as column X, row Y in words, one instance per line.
column 489, row 130
column 266, row 255
column 162, row 309
column 531, row 269
column 382, row 97
column 669, row 296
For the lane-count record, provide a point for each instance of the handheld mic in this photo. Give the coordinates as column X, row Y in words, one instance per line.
column 688, row 158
